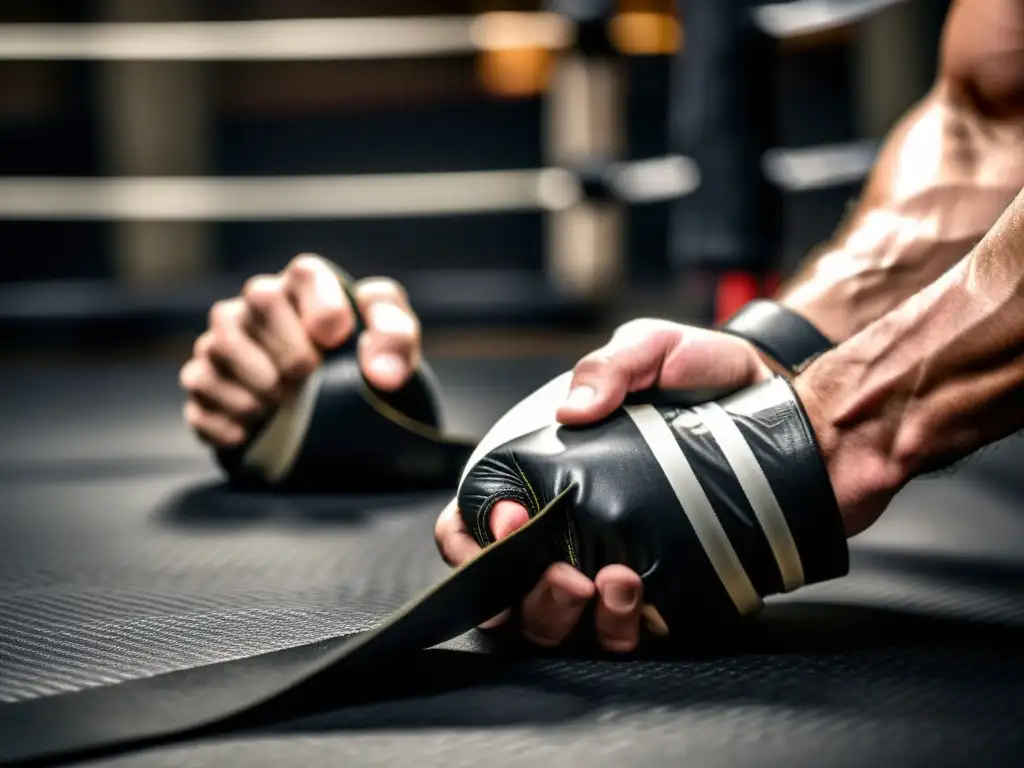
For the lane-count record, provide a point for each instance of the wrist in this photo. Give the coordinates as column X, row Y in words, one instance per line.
column 864, row 471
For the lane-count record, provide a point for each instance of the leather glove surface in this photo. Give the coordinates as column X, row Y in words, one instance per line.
column 716, row 506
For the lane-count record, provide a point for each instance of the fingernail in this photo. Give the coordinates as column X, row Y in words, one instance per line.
column 564, row 597
column 620, row 598
column 387, row 365
column 580, row 397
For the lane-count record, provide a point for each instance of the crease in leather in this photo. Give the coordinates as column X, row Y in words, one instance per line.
column 183, row 704
column 703, row 553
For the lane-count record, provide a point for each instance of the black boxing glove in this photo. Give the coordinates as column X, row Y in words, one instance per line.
column 338, row 433
column 782, row 334
column 715, row 506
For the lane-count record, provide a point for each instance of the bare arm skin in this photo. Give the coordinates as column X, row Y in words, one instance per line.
column 936, row 379
column 886, row 404
column 943, row 177
column 270, row 338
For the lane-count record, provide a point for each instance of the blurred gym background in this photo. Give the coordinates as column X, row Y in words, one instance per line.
column 556, row 166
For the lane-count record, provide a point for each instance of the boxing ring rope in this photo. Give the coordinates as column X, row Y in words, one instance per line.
column 176, row 198
column 375, row 195
column 592, row 85
column 363, row 38
column 286, row 40
column 283, row 197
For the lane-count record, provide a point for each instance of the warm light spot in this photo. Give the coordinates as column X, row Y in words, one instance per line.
column 516, row 50
column 510, row 72
column 646, row 33
column 516, row 31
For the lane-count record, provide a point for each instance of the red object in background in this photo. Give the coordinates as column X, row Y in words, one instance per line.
column 735, row 289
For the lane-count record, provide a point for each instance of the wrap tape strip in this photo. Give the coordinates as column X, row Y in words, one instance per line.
column 220, row 697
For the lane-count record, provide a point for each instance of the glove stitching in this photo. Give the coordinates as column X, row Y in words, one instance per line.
column 567, row 542
column 483, row 534
column 526, row 481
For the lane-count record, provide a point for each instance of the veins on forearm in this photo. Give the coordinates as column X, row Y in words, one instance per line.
column 942, row 179
column 931, row 382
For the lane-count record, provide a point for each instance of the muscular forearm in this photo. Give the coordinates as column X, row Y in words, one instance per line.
column 939, row 377
column 942, row 179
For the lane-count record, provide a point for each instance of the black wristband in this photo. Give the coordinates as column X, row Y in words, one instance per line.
column 780, row 333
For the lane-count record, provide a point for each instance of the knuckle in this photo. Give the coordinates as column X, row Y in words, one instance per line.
column 263, row 292
column 405, row 337
column 340, row 314
column 201, row 346
column 189, row 377
column 299, row 365
column 635, row 327
column 378, row 288
column 641, row 332
column 396, row 326
column 441, row 542
column 305, row 266
column 224, row 312
column 415, row 329
column 219, row 346
column 445, row 524
column 449, row 554
column 198, row 419
column 630, row 326
column 593, row 364
column 640, row 326
column 231, row 435
column 268, row 385
column 249, row 407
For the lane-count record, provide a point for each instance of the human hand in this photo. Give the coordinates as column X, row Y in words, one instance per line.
column 267, row 341
column 641, row 355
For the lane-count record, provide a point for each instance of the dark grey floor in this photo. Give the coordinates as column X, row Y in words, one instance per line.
column 120, row 557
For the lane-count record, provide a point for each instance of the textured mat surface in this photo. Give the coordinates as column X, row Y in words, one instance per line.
column 120, row 558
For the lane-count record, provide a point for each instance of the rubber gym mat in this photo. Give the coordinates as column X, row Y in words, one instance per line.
column 106, row 578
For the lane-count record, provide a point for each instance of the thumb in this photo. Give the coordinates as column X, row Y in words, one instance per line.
column 507, row 517
column 631, row 361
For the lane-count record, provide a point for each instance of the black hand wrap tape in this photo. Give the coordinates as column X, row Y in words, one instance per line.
column 339, row 433
column 779, row 332
column 716, row 506
column 256, row 690
column 596, row 495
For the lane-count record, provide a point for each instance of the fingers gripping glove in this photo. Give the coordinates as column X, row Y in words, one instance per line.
column 339, row 433
column 716, row 506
